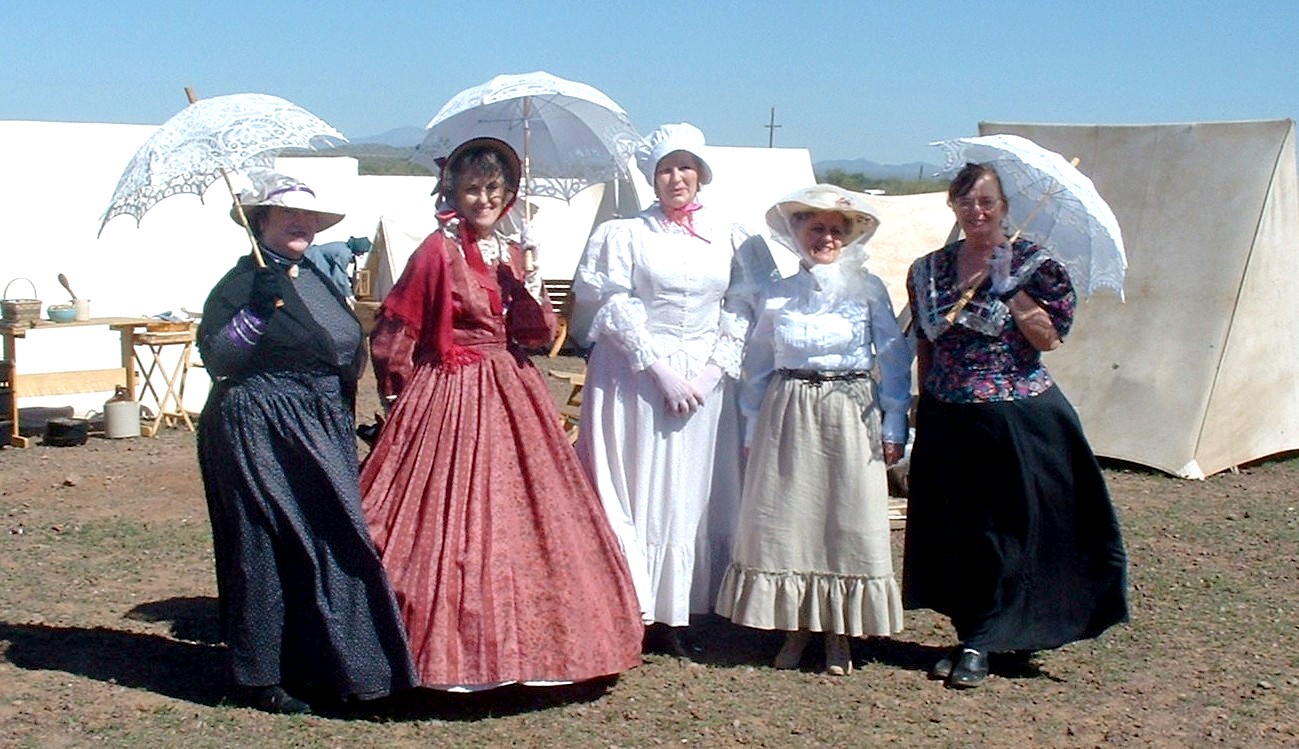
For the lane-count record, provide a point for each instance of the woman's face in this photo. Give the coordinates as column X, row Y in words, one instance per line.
column 821, row 236
column 676, row 180
column 480, row 199
column 981, row 210
column 288, row 231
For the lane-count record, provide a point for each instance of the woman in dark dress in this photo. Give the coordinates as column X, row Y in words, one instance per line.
column 1010, row 530
column 305, row 606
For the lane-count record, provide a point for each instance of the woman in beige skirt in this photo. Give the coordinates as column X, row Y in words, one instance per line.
column 812, row 549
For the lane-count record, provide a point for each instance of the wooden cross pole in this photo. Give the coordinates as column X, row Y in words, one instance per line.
column 771, row 129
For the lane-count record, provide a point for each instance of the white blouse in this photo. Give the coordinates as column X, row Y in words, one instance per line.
column 649, row 287
column 802, row 326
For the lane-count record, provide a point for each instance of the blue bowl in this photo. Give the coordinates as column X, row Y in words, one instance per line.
column 61, row 312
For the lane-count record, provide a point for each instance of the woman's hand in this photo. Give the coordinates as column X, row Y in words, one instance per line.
column 893, row 452
column 706, row 381
column 266, row 291
column 680, row 395
column 999, row 269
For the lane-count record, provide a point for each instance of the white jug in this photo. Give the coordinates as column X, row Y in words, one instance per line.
column 121, row 419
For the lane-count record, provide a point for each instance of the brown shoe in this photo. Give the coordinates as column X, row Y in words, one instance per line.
column 791, row 653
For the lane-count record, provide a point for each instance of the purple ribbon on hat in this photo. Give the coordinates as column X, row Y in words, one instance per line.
column 291, row 188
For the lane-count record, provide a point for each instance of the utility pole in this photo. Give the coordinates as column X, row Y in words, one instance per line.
column 771, row 129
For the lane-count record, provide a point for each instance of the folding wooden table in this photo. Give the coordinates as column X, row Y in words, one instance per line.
column 22, row 384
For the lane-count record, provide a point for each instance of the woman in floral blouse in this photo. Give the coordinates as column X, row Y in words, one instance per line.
column 1010, row 529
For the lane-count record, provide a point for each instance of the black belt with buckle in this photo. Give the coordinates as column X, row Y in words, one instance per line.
column 813, row 375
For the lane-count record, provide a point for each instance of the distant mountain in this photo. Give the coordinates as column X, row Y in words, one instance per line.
column 874, row 170
column 402, row 137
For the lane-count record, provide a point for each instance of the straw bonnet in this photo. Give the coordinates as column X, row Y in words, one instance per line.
column 272, row 188
column 862, row 221
column 680, row 136
column 513, row 168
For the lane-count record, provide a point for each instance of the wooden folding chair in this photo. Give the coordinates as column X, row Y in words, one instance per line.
column 170, row 396
column 560, row 293
column 571, row 410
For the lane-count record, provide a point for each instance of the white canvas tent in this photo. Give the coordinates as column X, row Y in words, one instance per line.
column 746, row 182
column 59, row 177
column 1197, row 371
column 910, row 226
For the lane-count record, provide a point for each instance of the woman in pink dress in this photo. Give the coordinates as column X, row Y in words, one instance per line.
column 504, row 565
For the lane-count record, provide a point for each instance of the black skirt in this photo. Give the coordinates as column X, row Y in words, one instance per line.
column 303, row 596
column 1010, row 528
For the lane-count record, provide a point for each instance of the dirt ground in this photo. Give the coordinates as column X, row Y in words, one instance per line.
column 107, row 638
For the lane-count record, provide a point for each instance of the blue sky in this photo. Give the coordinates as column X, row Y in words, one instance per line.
column 869, row 78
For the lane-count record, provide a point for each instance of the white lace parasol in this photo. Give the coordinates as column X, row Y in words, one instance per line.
column 190, row 151
column 1052, row 204
column 566, row 132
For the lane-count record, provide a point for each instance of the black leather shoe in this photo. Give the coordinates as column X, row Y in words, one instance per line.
column 942, row 668
column 970, row 669
column 274, row 699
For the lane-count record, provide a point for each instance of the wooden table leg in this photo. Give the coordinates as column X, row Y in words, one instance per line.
column 10, row 354
column 128, row 358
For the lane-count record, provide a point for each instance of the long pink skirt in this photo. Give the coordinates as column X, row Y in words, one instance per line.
column 499, row 551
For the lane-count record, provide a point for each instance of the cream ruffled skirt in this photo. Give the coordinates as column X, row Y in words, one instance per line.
column 812, row 548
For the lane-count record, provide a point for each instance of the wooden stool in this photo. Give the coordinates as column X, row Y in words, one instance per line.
column 170, row 401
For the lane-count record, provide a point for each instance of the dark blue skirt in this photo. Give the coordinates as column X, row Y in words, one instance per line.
column 303, row 596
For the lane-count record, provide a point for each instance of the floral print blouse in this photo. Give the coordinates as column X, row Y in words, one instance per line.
column 982, row 355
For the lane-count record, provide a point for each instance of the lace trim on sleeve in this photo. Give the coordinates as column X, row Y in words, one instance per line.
column 623, row 321
column 728, row 352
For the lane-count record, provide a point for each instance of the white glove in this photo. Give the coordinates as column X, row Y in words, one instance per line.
column 531, row 250
column 999, row 269
column 678, row 393
column 706, row 381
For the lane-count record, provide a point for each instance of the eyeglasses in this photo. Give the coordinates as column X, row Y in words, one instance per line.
column 490, row 191
column 969, row 205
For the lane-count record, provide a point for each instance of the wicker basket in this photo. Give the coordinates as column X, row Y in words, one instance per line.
column 167, row 326
column 20, row 311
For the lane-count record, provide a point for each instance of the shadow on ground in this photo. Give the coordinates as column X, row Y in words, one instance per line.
column 187, row 671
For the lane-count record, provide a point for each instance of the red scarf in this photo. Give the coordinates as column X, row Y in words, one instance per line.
column 474, row 257
column 422, row 297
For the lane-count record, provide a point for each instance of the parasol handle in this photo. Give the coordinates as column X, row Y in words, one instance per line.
column 527, row 156
column 239, row 209
column 529, row 258
column 1041, row 202
column 969, row 293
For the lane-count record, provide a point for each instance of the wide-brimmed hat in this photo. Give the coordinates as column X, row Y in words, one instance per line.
column 272, row 188
column 668, row 139
column 861, row 218
column 513, row 167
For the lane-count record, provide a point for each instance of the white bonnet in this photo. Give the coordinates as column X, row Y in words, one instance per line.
column 670, row 138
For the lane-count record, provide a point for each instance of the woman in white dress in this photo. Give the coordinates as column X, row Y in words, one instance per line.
column 812, row 550
column 659, row 434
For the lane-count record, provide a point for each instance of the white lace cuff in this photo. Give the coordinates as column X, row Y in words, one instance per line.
column 622, row 320
column 728, row 352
